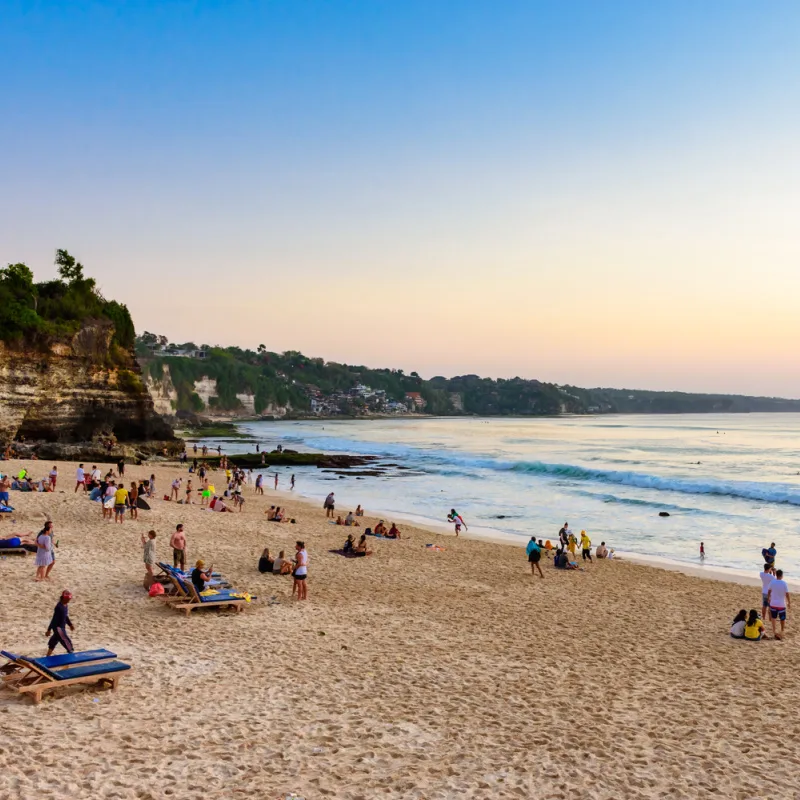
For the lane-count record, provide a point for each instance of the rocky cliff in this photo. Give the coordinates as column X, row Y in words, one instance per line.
column 74, row 390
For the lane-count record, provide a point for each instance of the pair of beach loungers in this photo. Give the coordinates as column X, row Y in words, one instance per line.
column 34, row 677
column 186, row 597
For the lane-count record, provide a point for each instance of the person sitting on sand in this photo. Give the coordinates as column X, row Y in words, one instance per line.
column 280, row 515
column 349, row 546
column 361, row 547
column 393, row 532
column 265, row 563
column 562, row 560
column 270, row 512
column 380, row 529
column 281, row 566
column 201, row 576
column 738, row 624
column 339, row 520
column 754, row 627
column 216, row 504
column 359, row 511
column 602, row 551
column 350, row 519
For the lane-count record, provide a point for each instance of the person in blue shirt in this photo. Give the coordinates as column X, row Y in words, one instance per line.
column 769, row 554
column 534, row 556
column 59, row 624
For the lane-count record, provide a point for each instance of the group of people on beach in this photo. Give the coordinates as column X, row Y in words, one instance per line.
column 564, row 555
column 297, row 567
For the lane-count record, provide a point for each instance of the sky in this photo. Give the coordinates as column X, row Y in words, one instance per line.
column 601, row 194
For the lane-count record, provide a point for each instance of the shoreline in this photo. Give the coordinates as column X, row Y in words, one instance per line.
column 707, row 572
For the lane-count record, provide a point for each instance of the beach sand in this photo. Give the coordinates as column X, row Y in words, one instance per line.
column 409, row 674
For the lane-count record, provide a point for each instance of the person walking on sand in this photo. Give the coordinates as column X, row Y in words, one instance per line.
column 586, row 547
column 767, row 575
column 176, row 487
column 534, row 556
column 53, row 477
column 149, row 548
column 59, row 624
column 80, row 478
column 44, row 552
column 276, row 481
column 300, row 571
column 178, row 544
column 329, row 505
column 779, row 602
column 259, row 484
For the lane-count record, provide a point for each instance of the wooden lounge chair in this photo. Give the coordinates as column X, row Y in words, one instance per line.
column 38, row 678
column 192, row 600
column 16, row 666
column 13, row 551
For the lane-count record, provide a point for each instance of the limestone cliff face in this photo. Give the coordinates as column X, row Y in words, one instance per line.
column 165, row 398
column 74, row 390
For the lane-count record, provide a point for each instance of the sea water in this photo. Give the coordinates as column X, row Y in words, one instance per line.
column 730, row 481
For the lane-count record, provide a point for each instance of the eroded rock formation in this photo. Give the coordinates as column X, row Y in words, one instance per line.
column 76, row 390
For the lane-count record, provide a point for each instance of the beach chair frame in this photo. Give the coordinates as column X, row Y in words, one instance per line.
column 36, row 681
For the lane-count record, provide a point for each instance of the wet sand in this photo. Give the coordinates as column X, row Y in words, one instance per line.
column 408, row 674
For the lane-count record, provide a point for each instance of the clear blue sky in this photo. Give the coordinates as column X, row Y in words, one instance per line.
column 587, row 192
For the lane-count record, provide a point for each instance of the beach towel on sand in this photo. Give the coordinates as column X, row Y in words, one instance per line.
column 341, row 552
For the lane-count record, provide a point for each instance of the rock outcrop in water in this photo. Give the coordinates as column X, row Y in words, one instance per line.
column 75, row 391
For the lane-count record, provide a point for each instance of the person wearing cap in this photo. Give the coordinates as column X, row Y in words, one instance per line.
column 59, row 624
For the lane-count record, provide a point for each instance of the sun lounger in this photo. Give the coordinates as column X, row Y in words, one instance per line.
column 13, row 551
column 192, row 600
column 40, row 675
column 15, row 665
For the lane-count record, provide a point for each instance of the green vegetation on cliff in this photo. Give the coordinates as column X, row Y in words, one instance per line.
column 56, row 309
column 305, row 384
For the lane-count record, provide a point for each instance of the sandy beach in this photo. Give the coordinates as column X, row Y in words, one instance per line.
column 408, row 674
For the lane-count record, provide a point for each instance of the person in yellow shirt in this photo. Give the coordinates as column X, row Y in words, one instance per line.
column 120, row 503
column 571, row 545
column 754, row 627
column 586, row 546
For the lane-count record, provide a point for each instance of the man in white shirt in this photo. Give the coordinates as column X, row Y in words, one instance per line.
column 779, row 602
column 80, row 477
column 767, row 576
column 95, row 475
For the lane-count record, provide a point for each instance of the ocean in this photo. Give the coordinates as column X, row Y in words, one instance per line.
column 730, row 481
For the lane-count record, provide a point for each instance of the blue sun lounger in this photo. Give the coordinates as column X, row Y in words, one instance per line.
column 40, row 675
column 15, row 663
column 191, row 600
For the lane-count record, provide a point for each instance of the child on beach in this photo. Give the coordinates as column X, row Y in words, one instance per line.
column 149, row 548
column 738, row 624
column 702, row 551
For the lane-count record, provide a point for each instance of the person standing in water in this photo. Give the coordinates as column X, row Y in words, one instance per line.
column 276, row 481
column 702, row 551
column 291, row 482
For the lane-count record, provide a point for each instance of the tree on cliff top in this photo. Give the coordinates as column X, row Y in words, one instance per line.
column 56, row 308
